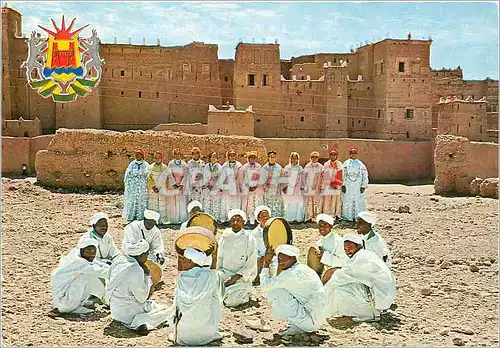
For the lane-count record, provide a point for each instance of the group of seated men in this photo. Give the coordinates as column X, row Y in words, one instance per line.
column 355, row 280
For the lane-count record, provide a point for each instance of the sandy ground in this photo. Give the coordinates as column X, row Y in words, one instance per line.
column 441, row 301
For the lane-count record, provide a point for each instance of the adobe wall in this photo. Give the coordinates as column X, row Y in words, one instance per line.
column 463, row 118
column 15, row 153
column 21, row 128
column 190, row 128
column 387, row 161
column 458, row 162
column 230, row 121
column 18, row 151
column 98, row 159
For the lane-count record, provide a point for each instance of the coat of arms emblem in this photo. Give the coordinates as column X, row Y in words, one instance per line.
column 64, row 65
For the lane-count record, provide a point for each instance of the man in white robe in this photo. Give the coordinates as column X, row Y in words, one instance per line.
column 373, row 240
column 237, row 260
column 129, row 288
column 78, row 277
column 146, row 229
column 364, row 287
column 193, row 208
column 107, row 250
column 197, row 309
column 329, row 250
column 262, row 214
column 296, row 294
column 354, row 183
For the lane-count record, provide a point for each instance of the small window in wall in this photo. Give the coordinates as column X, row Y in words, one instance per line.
column 409, row 114
column 258, row 120
column 157, row 94
column 122, row 72
column 401, row 67
column 381, row 68
column 347, row 60
column 407, row 134
column 251, row 80
column 335, row 60
column 379, row 113
column 301, row 118
column 26, row 135
column 140, row 73
column 225, row 78
column 122, row 93
column 264, row 80
column 364, row 123
column 338, row 121
column 140, row 94
column 480, row 129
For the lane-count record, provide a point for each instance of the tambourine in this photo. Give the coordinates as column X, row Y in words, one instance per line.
column 276, row 232
column 154, row 271
column 313, row 261
column 328, row 274
column 196, row 237
column 204, row 220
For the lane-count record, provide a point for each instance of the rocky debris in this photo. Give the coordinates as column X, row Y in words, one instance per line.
column 444, row 332
column 474, row 186
column 426, row 291
column 257, row 324
column 430, row 261
column 435, row 199
column 404, row 209
column 242, row 337
column 458, row 341
column 489, row 188
column 464, row 330
column 445, row 264
column 474, row 268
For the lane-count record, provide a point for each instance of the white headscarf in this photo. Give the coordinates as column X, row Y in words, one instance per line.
column 151, row 215
column 326, row 218
column 259, row 209
column 367, row 216
column 354, row 238
column 194, row 204
column 98, row 217
column 288, row 249
column 198, row 257
column 87, row 242
column 234, row 212
column 136, row 249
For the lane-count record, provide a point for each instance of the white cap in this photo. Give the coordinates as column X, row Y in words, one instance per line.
column 367, row 216
column 259, row 209
column 288, row 249
column 198, row 257
column 234, row 212
column 355, row 238
column 98, row 217
column 151, row 215
column 87, row 242
column 326, row 218
column 194, row 204
column 136, row 249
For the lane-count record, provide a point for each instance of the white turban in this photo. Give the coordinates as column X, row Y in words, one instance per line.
column 136, row 249
column 198, row 257
column 326, row 218
column 151, row 215
column 234, row 212
column 259, row 209
column 368, row 217
column 87, row 242
column 354, row 238
column 194, row 204
column 98, row 217
column 288, row 249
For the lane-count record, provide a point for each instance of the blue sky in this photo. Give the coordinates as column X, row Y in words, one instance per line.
column 464, row 34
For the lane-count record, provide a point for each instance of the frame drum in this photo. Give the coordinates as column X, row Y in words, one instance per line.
column 276, row 232
column 203, row 220
column 154, row 270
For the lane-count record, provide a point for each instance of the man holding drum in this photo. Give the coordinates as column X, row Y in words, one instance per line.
column 146, row 229
column 329, row 250
column 237, row 260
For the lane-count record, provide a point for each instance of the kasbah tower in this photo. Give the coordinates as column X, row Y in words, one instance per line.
column 382, row 90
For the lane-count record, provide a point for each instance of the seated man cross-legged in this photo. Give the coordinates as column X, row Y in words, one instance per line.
column 296, row 294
